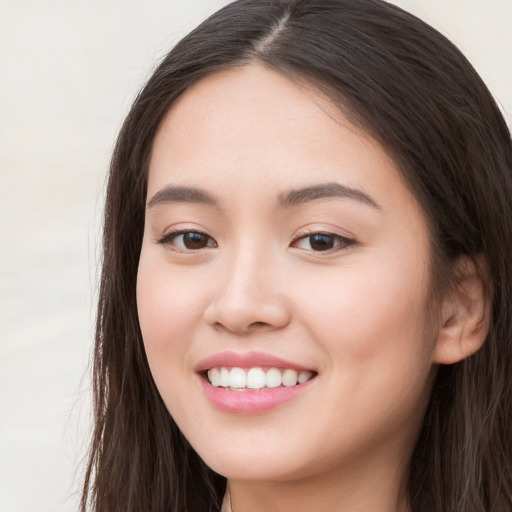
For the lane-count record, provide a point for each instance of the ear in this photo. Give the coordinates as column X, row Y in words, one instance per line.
column 465, row 313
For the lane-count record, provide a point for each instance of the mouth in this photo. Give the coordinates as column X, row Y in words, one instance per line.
column 252, row 382
column 256, row 378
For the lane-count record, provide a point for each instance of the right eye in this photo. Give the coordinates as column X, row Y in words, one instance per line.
column 187, row 240
column 323, row 242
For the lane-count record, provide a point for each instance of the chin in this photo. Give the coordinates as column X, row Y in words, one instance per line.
column 283, row 458
column 251, row 467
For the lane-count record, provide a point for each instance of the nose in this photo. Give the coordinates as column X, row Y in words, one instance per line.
column 250, row 296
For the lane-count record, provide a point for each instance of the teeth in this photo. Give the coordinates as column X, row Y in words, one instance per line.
column 256, row 378
column 237, row 378
column 224, row 377
column 273, row 378
column 214, row 376
column 289, row 378
column 304, row 377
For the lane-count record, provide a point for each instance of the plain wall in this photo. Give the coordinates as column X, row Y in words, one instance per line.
column 68, row 73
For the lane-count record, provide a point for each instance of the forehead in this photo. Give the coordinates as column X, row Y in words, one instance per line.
column 251, row 107
column 258, row 130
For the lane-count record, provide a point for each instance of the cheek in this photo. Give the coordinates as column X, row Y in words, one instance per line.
column 373, row 330
column 169, row 314
column 169, row 308
column 369, row 313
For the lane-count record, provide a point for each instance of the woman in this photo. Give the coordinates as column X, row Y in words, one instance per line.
column 306, row 289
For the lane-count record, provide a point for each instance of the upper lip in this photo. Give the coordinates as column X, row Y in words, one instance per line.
column 246, row 360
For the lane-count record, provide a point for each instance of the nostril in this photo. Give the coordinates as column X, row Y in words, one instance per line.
column 258, row 325
column 247, row 313
column 254, row 326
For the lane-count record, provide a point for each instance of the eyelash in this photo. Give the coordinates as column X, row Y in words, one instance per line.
column 169, row 238
column 340, row 242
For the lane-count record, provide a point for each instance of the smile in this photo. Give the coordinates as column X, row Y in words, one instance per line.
column 256, row 378
column 252, row 382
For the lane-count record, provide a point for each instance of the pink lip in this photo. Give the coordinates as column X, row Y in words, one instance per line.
column 246, row 360
column 251, row 401
column 248, row 401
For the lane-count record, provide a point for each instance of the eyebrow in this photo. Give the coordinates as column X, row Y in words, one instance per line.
column 323, row 191
column 176, row 194
column 173, row 194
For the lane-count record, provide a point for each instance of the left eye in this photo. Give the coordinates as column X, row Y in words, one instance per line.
column 188, row 240
column 321, row 242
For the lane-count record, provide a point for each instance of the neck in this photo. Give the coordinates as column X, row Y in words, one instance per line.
column 363, row 490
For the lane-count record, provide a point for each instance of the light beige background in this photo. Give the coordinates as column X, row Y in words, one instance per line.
column 68, row 73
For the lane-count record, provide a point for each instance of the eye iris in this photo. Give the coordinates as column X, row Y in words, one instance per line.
column 195, row 240
column 321, row 242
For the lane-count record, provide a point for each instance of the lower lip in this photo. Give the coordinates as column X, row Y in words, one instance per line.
column 251, row 401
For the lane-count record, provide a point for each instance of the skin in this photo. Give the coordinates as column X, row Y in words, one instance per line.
column 356, row 314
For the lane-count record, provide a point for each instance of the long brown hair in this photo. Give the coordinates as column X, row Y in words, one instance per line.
column 414, row 92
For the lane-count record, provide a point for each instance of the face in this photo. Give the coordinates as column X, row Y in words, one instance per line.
column 283, row 283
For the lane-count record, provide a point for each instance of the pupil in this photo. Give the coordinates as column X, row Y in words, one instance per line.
column 321, row 242
column 194, row 240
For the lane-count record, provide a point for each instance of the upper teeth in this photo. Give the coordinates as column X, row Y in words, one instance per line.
column 256, row 378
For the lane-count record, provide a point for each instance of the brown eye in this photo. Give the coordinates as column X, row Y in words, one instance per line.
column 321, row 242
column 188, row 240
column 194, row 240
